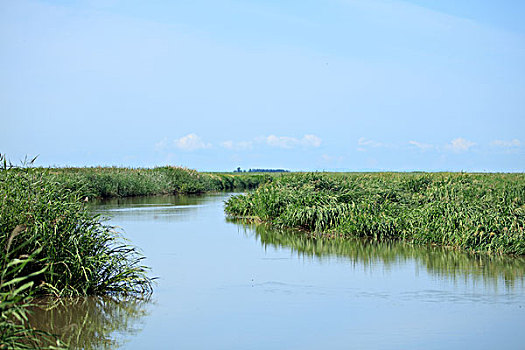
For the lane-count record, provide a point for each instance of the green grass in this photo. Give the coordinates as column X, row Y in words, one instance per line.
column 126, row 182
column 81, row 255
column 16, row 290
column 51, row 244
column 476, row 212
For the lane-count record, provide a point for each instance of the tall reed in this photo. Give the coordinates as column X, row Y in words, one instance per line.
column 479, row 212
column 51, row 244
column 81, row 255
column 16, row 291
column 109, row 182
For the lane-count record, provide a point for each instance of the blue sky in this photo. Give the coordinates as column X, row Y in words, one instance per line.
column 303, row 85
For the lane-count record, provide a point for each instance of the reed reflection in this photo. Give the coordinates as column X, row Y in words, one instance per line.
column 90, row 322
column 491, row 270
column 161, row 208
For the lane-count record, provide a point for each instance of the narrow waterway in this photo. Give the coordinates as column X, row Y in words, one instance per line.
column 227, row 285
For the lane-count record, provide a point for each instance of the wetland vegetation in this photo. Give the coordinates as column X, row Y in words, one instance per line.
column 108, row 182
column 475, row 212
column 52, row 245
column 220, row 280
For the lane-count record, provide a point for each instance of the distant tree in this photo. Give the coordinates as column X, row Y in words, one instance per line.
column 268, row 171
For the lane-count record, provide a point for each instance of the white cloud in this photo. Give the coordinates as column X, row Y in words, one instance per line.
column 311, row 140
column 506, row 144
column 191, row 142
column 460, row 145
column 421, row 145
column 287, row 142
column 292, row 142
column 363, row 141
column 281, row 141
column 242, row 145
column 227, row 144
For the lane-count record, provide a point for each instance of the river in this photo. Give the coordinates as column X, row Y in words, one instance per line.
column 223, row 284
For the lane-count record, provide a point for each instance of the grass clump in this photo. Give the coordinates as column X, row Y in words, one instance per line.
column 81, row 255
column 477, row 212
column 51, row 244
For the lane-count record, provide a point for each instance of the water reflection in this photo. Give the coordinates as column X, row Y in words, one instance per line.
column 218, row 289
column 90, row 322
column 445, row 263
column 158, row 208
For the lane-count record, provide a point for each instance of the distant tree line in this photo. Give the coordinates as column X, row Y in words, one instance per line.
column 239, row 170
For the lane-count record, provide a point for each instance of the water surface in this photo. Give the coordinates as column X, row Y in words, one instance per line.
column 228, row 285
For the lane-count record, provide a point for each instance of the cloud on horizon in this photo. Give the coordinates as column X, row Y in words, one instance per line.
column 457, row 145
column 237, row 146
column 460, row 145
column 287, row 142
column 421, row 145
column 191, row 142
column 506, row 144
column 363, row 143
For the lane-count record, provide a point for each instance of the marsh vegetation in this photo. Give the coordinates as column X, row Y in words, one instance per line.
column 110, row 182
column 51, row 244
column 476, row 212
column 229, row 284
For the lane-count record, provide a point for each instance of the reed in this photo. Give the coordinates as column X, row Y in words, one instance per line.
column 51, row 244
column 16, row 291
column 476, row 212
column 81, row 255
column 107, row 182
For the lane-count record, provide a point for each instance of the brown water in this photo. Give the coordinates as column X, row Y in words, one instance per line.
column 228, row 285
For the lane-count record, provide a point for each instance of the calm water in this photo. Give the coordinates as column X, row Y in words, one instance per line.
column 225, row 285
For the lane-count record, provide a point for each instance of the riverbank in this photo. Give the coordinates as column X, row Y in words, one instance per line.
column 52, row 245
column 279, row 283
column 109, row 182
column 475, row 212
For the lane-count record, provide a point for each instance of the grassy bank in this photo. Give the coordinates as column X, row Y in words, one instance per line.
column 125, row 182
column 50, row 244
column 476, row 212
